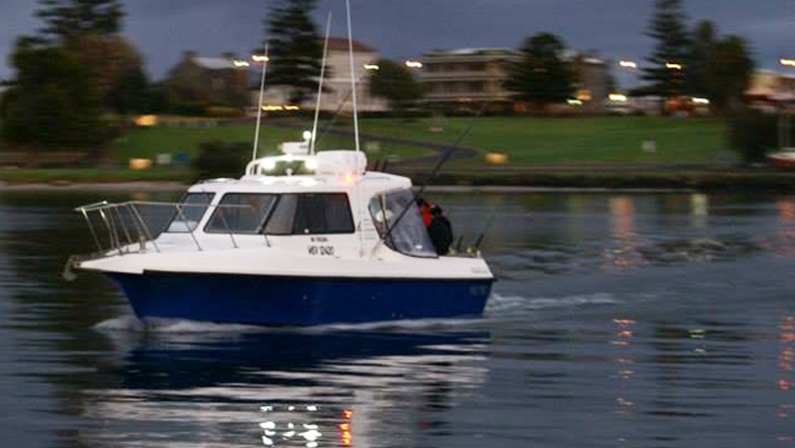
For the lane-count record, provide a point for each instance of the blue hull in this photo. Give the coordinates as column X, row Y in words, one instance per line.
column 299, row 301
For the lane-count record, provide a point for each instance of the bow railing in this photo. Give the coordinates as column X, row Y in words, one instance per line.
column 134, row 226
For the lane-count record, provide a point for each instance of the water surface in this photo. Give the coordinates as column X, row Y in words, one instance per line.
column 618, row 320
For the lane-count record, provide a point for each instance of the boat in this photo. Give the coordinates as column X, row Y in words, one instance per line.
column 303, row 238
column 782, row 159
column 299, row 240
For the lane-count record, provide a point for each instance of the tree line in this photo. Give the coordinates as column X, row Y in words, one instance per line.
column 77, row 71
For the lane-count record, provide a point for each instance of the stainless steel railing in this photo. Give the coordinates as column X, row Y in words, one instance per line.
column 128, row 227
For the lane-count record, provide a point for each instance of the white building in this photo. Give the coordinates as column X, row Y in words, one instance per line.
column 338, row 83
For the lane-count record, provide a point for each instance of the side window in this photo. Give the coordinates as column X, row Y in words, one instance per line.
column 241, row 213
column 311, row 214
column 190, row 213
column 281, row 220
column 323, row 214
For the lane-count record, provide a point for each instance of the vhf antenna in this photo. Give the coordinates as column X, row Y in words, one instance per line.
column 265, row 61
column 320, row 86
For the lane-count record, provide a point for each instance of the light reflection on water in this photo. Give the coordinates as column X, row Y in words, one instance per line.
column 619, row 320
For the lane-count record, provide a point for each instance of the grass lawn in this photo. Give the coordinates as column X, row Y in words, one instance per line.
column 574, row 141
column 148, row 142
column 92, row 175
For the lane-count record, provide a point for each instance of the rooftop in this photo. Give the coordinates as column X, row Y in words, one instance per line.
column 216, row 63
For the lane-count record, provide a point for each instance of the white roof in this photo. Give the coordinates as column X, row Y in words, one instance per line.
column 214, row 63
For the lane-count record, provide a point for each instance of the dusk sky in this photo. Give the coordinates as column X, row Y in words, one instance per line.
column 163, row 29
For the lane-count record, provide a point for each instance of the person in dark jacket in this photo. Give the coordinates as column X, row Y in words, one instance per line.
column 440, row 231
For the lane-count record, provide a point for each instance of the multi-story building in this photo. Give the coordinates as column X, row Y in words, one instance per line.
column 769, row 88
column 468, row 77
column 338, row 83
column 593, row 82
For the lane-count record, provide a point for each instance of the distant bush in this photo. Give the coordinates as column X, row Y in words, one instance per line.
column 753, row 134
column 219, row 159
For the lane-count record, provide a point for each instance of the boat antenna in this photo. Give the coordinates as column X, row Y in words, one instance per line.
column 353, row 77
column 265, row 61
column 320, row 86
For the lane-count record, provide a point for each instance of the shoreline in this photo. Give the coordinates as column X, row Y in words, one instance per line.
column 478, row 181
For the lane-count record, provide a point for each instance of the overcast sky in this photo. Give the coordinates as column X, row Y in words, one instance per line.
column 163, row 29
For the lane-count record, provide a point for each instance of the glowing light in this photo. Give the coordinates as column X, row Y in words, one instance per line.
column 787, row 62
column 347, row 414
column 673, row 66
column 311, row 164
column 628, row 64
column 697, row 100
column 146, row 120
column 307, row 135
column 347, row 178
column 260, row 58
column 240, row 63
column 292, row 108
column 268, row 165
column 345, row 426
column 413, row 64
column 371, row 67
column 618, row 97
column 574, row 102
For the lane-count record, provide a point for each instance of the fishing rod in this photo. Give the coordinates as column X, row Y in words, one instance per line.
column 482, row 236
column 445, row 157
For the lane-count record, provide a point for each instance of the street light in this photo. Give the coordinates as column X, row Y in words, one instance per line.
column 413, row 64
column 787, row 62
column 240, row 63
column 673, row 66
column 628, row 64
column 260, row 59
column 371, row 67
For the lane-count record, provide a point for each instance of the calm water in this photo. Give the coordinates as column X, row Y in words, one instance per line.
column 663, row 320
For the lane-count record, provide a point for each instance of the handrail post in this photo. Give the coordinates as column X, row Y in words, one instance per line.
column 123, row 225
column 111, row 233
column 226, row 224
column 91, row 228
column 145, row 227
column 185, row 220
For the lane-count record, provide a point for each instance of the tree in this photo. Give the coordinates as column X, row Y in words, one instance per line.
column 542, row 76
column 114, row 65
column 702, row 46
column 295, row 50
column 667, row 62
column 67, row 19
column 52, row 103
column 729, row 73
column 395, row 83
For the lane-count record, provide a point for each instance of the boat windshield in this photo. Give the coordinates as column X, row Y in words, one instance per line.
column 190, row 212
column 409, row 235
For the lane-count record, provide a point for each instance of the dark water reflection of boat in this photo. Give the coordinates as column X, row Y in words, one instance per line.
column 210, row 377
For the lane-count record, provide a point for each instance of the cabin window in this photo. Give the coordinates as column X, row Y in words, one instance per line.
column 408, row 234
column 242, row 213
column 193, row 206
column 311, row 214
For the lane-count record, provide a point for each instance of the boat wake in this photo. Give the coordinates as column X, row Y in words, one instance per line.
column 131, row 324
column 134, row 325
column 503, row 304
